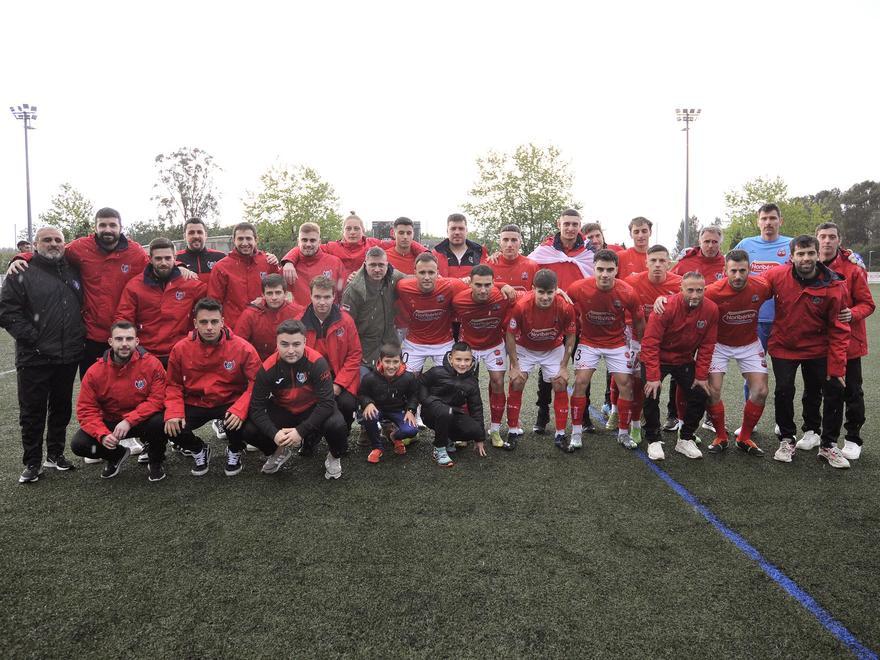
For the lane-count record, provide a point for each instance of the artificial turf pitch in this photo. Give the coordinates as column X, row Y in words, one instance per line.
column 530, row 553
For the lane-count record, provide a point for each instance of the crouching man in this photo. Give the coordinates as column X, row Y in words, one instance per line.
column 293, row 405
column 122, row 395
column 444, row 392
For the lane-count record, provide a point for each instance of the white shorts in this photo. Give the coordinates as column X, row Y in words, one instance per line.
column 549, row 361
column 414, row 355
column 495, row 358
column 616, row 359
column 750, row 359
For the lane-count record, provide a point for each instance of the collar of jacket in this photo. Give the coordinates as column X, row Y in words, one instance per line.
column 401, row 369
column 825, row 277
column 445, row 248
column 150, row 278
column 578, row 242
column 312, row 322
column 225, row 334
column 235, row 254
column 56, row 265
column 136, row 355
column 472, row 372
column 121, row 245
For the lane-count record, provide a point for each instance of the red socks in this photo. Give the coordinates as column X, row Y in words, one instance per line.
column 514, row 403
column 751, row 416
column 578, row 404
column 624, row 409
column 560, row 410
column 716, row 414
column 496, row 406
column 614, row 392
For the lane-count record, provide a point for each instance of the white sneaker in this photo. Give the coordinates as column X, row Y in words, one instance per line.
column 251, row 448
column 332, row 467
column 134, row 445
column 708, row 425
column 219, row 430
column 737, row 432
column 575, row 443
column 688, row 448
column 777, row 431
column 655, row 451
column 851, row 451
column 626, row 440
column 276, row 460
column 811, row 440
column 92, row 461
column 833, row 456
column 786, row 450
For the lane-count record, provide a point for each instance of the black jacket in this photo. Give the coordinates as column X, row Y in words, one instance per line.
column 397, row 394
column 41, row 309
column 446, row 386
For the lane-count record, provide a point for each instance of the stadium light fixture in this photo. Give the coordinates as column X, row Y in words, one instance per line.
column 26, row 113
column 688, row 116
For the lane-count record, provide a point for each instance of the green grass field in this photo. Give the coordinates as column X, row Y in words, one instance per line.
column 527, row 553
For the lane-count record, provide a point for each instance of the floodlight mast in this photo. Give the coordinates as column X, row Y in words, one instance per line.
column 26, row 113
column 688, row 116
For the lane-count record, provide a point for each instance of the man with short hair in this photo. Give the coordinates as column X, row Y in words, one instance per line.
column 404, row 250
column 602, row 303
column 238, row 279
column 482, row 310
column 540, row 332
column 456, row 252
column 307, row 261
column 808, row 332
column 210, row 373
column 160, row 301
column 512, row 267
column 634, row 259
column 122, row 395
column 293, row 404
column 258, row 323
column 352, row 248
column 859, row 304
column 332, row 332
column 24, row 247
column 196, row 257
column 592, row 232
column 40, row 308
column 706, row 258
column 688, row 326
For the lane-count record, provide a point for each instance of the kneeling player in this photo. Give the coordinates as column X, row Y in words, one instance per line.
column 123, row 391
column 540, row 333
column 445, row 391
column 389, row 393
column 293, row 403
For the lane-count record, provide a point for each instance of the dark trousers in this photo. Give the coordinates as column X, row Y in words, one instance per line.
column 816, row 387
column 196, row 417
column 44, row 404
column 373, row 426
column 448, row 422
column 334, row 430
column 671, row 408
column 853, row 399
column 151, row 431
column 347, row 405
column 93, row 350
column 683, row 376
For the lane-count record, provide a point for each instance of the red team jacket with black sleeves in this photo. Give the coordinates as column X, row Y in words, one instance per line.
column 236, row 281
column 806, row 324
column 134, row 391
column 161, row 311
column 308, row 268
column 859, row 300
column 674, row 336
column 451, row 266
column 210, row 375
column 201, row 263
column 305, row 385
column 257, row 325
column 337, row 340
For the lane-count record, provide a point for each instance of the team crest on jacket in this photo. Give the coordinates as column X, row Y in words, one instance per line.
column 780, row 252
column 140, row 383
column 718, row 276
column 328, row 274
column 441, row 298
column 701, row 324
column 755, row 298
column 523, row 275
column 816, row 300
column 75, row 284
column 210, row 264
column 179, row 295
column 617, row 304
column 229, row 365
column 300, row 377
column 340, row 332
column 125, row 268
column 512, row 324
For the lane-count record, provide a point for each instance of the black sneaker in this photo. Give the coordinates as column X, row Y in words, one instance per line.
column 542, row 420
column 560, row 441
column 672, row 424
column 155, row 472
column 59, row 463
column 588, row 424
column 30, row 474
column 112, row 467
column 143, row 457
column 234, row 464
column 512, row 439
column 202, row 459
column 306, row 450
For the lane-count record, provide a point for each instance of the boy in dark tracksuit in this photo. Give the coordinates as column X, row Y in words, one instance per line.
column 389, row 392
column 444, row 392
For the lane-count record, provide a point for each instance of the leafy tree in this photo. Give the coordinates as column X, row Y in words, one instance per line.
column 71, row 212
column 289, row 197
column 144, row 231
column 186, row 186
column 529, row 187
column 693, row 235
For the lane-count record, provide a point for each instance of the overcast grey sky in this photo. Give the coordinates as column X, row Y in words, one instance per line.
column 392, row 101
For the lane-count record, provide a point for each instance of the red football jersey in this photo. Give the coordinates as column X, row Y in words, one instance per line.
column 648, row 292
column 482, row 323
column 429, row 315
column 518, row 273
column 738, row 310
column 541, row 329
column 603, row 314
column 630, row 262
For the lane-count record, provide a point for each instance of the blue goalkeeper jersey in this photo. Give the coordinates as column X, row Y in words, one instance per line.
column 764, row 255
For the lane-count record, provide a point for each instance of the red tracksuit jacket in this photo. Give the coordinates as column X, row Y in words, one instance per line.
column 806, row 325
column 337, row 340
column 674, row 337
column 859, row 300
column 450, row 266
column 236, row 281
column 308, row 268
column 210, row 375
column 712, row 268
column 134, row 391
column 257, row 325
column 162, row 312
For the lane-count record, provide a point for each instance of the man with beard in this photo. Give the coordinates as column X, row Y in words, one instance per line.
column 457, row 253
column 160, row 301
column 308, row 260
column 41, row 309
column 196, row 257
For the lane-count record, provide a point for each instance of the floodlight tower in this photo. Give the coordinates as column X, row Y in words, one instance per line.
column 26, row 113
column 688, row 116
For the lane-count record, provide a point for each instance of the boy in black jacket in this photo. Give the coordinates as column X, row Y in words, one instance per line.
column 389, row 392
column 444, row 391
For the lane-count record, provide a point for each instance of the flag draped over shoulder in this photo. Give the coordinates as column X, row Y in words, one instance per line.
column 551, row 252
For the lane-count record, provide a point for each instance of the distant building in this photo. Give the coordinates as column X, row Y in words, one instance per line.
column 382, row 229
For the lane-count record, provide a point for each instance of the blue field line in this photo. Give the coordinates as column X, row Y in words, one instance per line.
column 791, row 588
column 595, row 413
